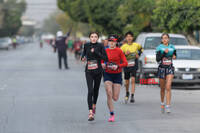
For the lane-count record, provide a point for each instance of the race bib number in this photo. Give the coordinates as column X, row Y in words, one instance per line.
column 131, row 63
column 92, row 65
column 166, row 61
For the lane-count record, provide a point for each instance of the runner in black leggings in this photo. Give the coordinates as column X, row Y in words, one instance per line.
column 94, row 52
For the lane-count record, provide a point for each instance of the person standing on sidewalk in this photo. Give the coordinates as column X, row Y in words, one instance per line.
column 165, row 53
column 93, row 53
column 61, row 47
column 132, row 52
column 113, row 73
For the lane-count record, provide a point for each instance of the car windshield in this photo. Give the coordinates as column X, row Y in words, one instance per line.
column 2, row 40
column 153, row 42
column 188, row 54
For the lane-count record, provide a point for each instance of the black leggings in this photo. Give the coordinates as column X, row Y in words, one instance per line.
column 93, row 83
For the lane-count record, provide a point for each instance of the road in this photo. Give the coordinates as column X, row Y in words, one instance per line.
column 37, row 97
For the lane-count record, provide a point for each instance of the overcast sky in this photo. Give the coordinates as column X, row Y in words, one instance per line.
column 40, row 9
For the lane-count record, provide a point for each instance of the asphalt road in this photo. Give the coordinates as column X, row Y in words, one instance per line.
column 37, row 97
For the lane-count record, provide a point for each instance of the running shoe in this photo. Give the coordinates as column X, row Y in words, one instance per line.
column 132, row 99
column 90, row 117
column 127, row 97
column 168, row 109
column 162, row 107
column 112, row 118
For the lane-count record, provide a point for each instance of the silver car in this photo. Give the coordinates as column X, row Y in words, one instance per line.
column 147, row 62
column 5, row 43
column 187, row 67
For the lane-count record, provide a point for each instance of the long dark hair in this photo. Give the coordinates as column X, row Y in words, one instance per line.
column 94, row 33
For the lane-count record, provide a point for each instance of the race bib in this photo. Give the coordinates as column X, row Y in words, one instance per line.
column 111, row 66
column 131, row 63
column 92, row 65
column 166, row 61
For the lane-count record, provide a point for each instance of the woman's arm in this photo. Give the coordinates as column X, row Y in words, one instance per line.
column 174, row 54
column 124, row 61
column 84, row 51
column 159, row 56
column 140, row 49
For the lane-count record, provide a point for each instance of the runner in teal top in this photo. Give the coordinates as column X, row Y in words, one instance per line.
column 165, row 53
column 165, row 59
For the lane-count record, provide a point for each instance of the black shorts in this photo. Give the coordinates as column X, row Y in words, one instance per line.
column 128, row 73
column 115, row 78
column 164, row 71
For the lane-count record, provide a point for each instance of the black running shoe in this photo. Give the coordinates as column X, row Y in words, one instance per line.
column 132, row 99
column 127, row 97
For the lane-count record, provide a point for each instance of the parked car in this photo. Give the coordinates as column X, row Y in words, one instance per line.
column 5, row 43
column 187, row 67
column 147, row 62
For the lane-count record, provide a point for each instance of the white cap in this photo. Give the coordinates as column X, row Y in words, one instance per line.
column 59, row 34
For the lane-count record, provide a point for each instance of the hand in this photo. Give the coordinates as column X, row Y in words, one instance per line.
column 166, row 51
column 137, row 56
column 92, row 50
column 83, row 59
column 174, row 57
column 127, row 52
column 103, row 65
column 114, row 67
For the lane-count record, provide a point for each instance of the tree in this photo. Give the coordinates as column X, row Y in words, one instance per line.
column 26, row 31
column 119, row 16
column 76, row 9
column 101, row 15
column 1, row 14
column 50, row 24
column 178, row 16
column 12, row 10
column 136, row 15
column 66, row 23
